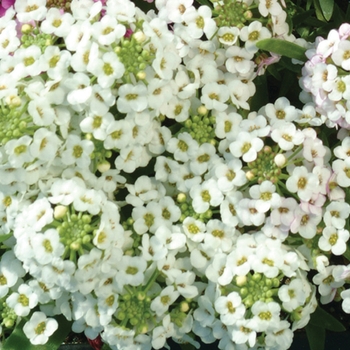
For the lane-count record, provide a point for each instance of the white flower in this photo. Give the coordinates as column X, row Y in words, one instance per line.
column 266, row 196
column 107, row 30
column 108, row 68
column 132, row 98
column 280, row 110
column 230, row 308
column 336, row 214
column 131, row 271
column 281, row 337
column 147, row 218
column 183, row 147
column 292, row 295
column 334, row 239
column 246, row 146
column 219, row 271
column 28, row 61
column 340, row 55
column 205, row 195
column 302, row 182
column 44, row 145
column 79, row 35
column 31, row 10
column 36, row 215
column 80, row 89
column 214, row 96
column 267, row 315
column 65, row 191
column 271, row 7
column 19, row 151
column 23, row 300
column 77, row 151
column 244, row 331
column 161, row 333
column 161, row 303
column 39, row 328
column 227, row 125
column 199, row 21
column 194, row 229
column 228, row 35
column 342, row 170
column 252, row 34
column 11, row 270
column 230, row 175
column 286, row 135
column 239, row 60
column 56, row 22
column 118, row 132
column 165, row 63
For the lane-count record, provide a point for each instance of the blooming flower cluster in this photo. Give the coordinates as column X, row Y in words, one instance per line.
column 140, row 197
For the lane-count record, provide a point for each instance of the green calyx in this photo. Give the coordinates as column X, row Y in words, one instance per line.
column 254, row 287
column 201, row 128
column 264, row 167
column 8, row 316
column 14, row 123
column 76, row 231
column 187, row 210
column 231, row 14
column 60, row 4
column 134, row 310
column 41, row 40
column 134, row 56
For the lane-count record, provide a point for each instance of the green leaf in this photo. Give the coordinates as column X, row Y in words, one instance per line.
column 205, row 2
column 316, row 337
column 261, row 97
column 327, row 7
column 347, row 254
column 4, row 238
column 283, row 48
column 321, row 318
column 187, row 346
column 18, row 340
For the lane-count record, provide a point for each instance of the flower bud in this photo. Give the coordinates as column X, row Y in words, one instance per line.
column 249, row 175
column 241, row 280
column 13, row 101
column 103, row 167
column 26, row 28
column 141, row 75
column 140, row 37
column 280, row 160
column 181, row 198
column 202, row 110
column 59, row 211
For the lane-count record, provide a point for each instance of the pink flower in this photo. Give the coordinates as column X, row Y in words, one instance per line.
column 264, row 62
column 96, row 343
column 5, row 5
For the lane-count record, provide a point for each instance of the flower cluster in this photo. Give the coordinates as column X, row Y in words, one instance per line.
column 142, row 199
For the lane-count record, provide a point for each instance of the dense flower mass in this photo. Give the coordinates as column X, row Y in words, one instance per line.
column 141, row 198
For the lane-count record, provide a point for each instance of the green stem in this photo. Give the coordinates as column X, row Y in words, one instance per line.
column 151, row 280
column 298, row 149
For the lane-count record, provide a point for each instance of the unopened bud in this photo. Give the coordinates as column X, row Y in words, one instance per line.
column 249, row 175
column 280, row 160
column 202, row 110
column 141, row 75
column 241, row 280
column 181, row 198
column 59, row 211
column 26, row 29
column 13, row 101
column 140, row 37
column 103, row 167
column 184, row 306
